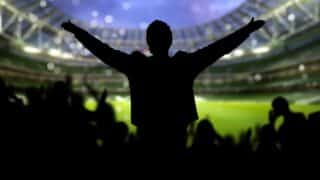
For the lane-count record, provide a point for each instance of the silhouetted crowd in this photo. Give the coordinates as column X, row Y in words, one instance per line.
column 54, row 119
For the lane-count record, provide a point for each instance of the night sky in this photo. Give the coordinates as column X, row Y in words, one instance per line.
column 139, row 13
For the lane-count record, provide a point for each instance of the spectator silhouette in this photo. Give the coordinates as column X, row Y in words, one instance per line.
column 84, row 135
column 105, row 118
column 206, row 141
column 206, row 135
column 245, row 145
column 34, row 114
column 49, row 122
column 313, row 132
column 315, row 117
column 228, row 145
column 161, row 86
column 268, row 136
column 59, row 119
column 11, row 117
column 292, row 131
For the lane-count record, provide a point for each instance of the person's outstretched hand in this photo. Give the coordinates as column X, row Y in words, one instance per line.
column 68, row 26
column 255, row 25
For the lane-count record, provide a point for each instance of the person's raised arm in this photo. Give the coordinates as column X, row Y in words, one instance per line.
column 206, row 56
column 108, row 55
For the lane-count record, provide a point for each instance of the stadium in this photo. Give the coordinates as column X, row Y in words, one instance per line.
column 281, row 59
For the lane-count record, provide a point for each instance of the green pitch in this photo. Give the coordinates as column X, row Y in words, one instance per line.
column 228, row 117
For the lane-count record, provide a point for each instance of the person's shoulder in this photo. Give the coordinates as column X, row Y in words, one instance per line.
column 181, row 54
column 138, row 56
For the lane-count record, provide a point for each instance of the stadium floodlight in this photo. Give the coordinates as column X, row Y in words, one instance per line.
column 291, row 17
column 43, row 3
column 59, row 54
column 32, row 50
column 200, row 99
column 302, row 68
column 66, row 55
column 261, row 50
column 227, row 56
column 257, row 77
column 51, row 66
column 238, row 52
column 55, row 52
column 120, row 99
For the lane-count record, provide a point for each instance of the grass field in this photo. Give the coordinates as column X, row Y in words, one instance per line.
column 228, row 117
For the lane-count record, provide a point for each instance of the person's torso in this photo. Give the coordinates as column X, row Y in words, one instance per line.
column 161, row 89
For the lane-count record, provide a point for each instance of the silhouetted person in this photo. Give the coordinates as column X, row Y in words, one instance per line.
column 292, row 131
column 35, row 117
column 314, row 132
column 161, row 86
column 245, row 145
column 12, row 112
column 58, row 118
column 206, row 141
column 84, row 136
column 206, row 135
column 228, row 145
column 268, row 136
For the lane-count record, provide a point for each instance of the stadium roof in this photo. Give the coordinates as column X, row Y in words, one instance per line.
column 35, row 26
column 139, row 13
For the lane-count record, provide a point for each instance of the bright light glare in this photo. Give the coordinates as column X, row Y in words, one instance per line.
column 54, row 52
column 58, row 53
column 302, row 68
column 32, row 50
column 200, row 99
column 120, row 98
column 238, row 53
column 227, row 56
column 261, row 50
column 67, row 55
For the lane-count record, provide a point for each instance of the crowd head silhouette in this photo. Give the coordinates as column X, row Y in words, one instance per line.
column 54, row 118
column 280, row 106
column 159, row 37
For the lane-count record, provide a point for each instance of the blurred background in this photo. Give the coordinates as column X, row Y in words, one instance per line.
column 283, row 58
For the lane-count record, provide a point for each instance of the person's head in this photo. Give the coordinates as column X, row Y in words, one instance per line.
column 280, row 106
column 205, row 133
column 159, row 38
